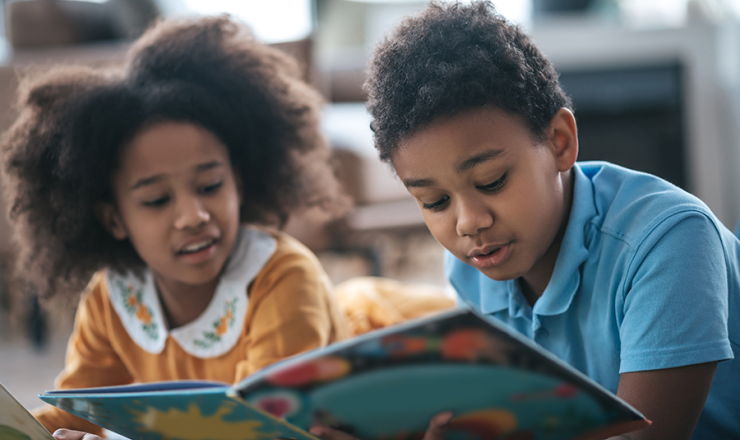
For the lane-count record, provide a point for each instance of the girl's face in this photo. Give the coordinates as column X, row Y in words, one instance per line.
column 177, row 199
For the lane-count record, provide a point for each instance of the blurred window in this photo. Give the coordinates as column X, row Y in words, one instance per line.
column 272, row 21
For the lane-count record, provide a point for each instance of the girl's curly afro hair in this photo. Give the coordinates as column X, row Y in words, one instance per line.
column 59, row 155
column 451, row 58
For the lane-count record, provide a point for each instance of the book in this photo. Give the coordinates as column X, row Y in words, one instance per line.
column 385, row 384
column 16, row 423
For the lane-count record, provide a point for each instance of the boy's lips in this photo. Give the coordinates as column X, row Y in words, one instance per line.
column 491, row 255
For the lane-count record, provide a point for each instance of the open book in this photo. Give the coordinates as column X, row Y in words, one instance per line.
column 16, row 423
column 385, row 384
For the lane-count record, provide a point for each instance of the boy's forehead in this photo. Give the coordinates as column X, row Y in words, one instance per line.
column 472, row 136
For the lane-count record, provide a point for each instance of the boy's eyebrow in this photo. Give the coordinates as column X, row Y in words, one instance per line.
column 463, row 166
column 418, row 183
column 153, row 179
column 479, row 158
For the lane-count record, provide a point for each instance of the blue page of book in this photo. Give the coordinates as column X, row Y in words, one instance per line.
column 191, row 414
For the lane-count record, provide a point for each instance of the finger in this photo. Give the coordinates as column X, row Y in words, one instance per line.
column 330, row 434
column 68, row 434
column 438, row 426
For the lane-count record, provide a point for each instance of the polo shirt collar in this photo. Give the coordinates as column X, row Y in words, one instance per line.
column 566, row 277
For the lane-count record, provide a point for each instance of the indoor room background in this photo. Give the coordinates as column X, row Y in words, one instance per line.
column 656, row 87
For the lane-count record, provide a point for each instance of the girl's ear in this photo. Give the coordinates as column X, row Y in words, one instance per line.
column 109, row 217
column 564, row 138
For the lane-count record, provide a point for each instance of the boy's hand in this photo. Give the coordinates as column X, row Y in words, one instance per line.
column 435, row 431
column 68, row 434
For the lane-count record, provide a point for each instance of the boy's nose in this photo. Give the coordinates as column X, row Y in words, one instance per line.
column 472, row 218
column 191, row 213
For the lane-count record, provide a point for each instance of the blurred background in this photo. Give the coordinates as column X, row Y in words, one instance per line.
column 656, row 87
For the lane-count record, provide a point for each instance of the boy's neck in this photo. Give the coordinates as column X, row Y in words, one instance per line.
column 184, row 303
column 529, row 293
column 534, row 283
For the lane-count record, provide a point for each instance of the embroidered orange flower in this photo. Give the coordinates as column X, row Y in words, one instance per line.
column 229, row 315
column 223, row 325
column 132, row 300
column 143, row 315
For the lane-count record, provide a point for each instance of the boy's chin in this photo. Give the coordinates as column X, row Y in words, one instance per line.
column 505, row 272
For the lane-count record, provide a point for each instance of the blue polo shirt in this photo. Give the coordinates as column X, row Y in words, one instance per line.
column 646, row 278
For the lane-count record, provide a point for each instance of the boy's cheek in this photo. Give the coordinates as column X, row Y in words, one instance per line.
column 443, row 235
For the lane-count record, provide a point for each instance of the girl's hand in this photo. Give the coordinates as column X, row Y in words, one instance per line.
column 68, row 434
column 435, row 431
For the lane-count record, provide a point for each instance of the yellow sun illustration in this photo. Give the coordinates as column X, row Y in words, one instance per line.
column 192, row 425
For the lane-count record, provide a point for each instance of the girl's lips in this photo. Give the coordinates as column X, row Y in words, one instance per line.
column 200, row 255
column 494, row 258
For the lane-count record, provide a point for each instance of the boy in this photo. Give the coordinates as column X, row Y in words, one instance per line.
column 629, row 279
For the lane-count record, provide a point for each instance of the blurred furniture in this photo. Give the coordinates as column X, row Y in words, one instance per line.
column 675, row 92
column 382, row 200
column 51, row 23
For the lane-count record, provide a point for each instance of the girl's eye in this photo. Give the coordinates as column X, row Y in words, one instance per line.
column 495, row 186
column 438, row 205
column 208, row 189
column 156, row 203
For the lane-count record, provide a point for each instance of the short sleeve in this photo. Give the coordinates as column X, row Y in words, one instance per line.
column 675, row 308
column 292, row 310
column 90, row 360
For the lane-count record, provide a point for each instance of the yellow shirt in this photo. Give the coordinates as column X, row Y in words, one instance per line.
column 284, row 308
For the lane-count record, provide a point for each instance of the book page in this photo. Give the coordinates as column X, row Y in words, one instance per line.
column 389, row 383
column 16, row 423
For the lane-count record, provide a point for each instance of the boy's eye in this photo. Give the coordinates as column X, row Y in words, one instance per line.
column 208, row 189
column 495, row 186
column 156, row 203
column 438, row 205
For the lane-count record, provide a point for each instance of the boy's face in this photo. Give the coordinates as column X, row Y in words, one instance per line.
column 489, row 193
column 177, row 200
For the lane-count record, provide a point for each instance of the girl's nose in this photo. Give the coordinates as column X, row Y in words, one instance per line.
column 191, row 213
column 472, row 218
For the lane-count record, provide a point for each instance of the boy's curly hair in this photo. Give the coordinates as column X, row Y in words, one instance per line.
column 59, row 155
column 451, row 58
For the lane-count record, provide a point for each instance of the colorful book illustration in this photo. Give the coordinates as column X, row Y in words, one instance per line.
column 386, row 385
column 16, row 423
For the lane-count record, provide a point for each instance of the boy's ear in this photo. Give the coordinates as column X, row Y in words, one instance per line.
column 563, row 135
column 108, row 216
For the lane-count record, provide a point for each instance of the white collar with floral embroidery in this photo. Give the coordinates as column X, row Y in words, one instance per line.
column 218, row 328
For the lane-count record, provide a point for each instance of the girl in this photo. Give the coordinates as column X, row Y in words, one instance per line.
column 143, row 179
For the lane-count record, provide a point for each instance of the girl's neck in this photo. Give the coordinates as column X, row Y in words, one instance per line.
column 184, row 303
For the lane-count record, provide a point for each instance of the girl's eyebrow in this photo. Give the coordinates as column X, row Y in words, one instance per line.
column 157, row 177
column 146, row 181
column 209, row 165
